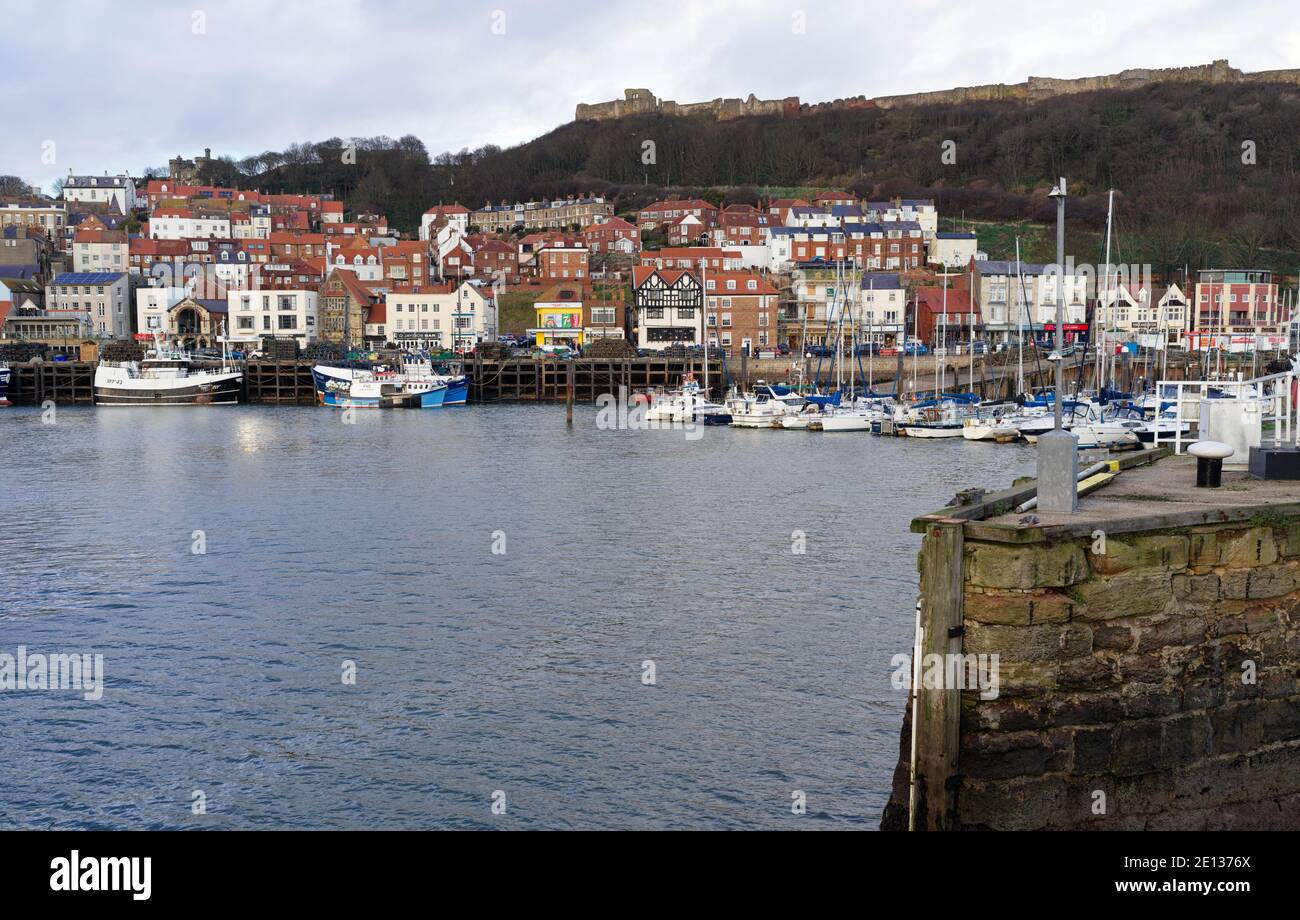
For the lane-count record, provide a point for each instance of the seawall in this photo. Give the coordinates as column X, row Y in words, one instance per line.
column 1148, row 660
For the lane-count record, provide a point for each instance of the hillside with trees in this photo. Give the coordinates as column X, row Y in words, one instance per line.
column 1188, row 192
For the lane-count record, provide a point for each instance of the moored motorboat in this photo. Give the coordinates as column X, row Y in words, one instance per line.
column 990, row 428
column 4, row 384
column 765, row 407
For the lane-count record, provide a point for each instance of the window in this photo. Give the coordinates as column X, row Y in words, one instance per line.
column 288, row 322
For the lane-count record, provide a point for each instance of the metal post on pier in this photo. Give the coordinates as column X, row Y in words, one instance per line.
column 1058, row 456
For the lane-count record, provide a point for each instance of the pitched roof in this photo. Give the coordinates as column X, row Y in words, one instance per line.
column 932, row 299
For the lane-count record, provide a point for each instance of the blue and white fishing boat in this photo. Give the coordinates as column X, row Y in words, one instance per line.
column 417, row 375
column 375, row 388
column 4, row 384
column 452, row 374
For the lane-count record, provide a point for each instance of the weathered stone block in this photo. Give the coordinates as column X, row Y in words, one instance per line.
column 1280, row 720
column 1211, row 783
column 1141, row 552
column 1261, row 620
column 1173, row 631
column 1146, row 668
column 1001, row 755
column 1136, row 748
column 1092, row 749
column 1113, row 637
column 1055, row 565
column 1028, row 643
column 1277, row 813
column 1185, row 740
column 1010, row 715
column 1196, row 590
column 1130, row 594
column 1273, row 580
column 1085, row 709
column 1203, row 547
column 1011, row 805
column 1231, row 625
column 1087, row 673
column 1236, row 728
column 1148, row 701
column 1026, row 678
column 1291, row 540
column 1243, row 549
column 1273, row 772
column 1008, row 608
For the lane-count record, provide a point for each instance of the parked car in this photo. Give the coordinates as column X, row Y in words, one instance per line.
column 915, row 348
column 819, row 351
column 867, row 348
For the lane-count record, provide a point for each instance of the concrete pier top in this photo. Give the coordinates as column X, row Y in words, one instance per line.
column 1153, row 490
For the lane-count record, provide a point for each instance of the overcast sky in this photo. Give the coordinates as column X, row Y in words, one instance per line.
column 99, row 85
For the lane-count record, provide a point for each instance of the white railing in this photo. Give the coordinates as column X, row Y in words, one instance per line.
column 1274, row 394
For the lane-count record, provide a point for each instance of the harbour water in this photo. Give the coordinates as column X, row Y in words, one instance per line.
column 476, row 671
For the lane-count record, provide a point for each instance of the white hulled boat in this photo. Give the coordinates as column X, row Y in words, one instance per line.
column 166, row 377
column 765, row 407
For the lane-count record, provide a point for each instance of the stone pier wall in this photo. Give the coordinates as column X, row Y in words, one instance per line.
column 1154, row 686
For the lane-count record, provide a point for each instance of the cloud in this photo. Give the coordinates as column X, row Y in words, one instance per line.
column 127, row 86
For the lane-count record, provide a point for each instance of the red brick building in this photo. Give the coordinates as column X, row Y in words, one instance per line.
column 741, row 308
column 660, row 214
column 562, row 263
column 939, row 320
column 613, row 235
column 496, row 258
column 716, row 258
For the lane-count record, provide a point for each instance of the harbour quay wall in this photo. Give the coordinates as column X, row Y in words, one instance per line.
column 1147, row 680
column 289, row 382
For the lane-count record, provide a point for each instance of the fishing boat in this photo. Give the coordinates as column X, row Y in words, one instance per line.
column 765, row 407
column 376, row 388
column 419, row 367
column 167, row 376
column 4, row 384
column 417, row 377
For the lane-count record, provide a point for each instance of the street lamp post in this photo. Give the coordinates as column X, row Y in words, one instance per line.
column 1058, row 458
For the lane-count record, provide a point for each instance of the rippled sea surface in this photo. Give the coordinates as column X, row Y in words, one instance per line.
column 476, row 671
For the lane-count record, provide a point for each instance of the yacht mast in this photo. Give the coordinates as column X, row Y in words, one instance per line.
column 704, row 311
column 1020, row 324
